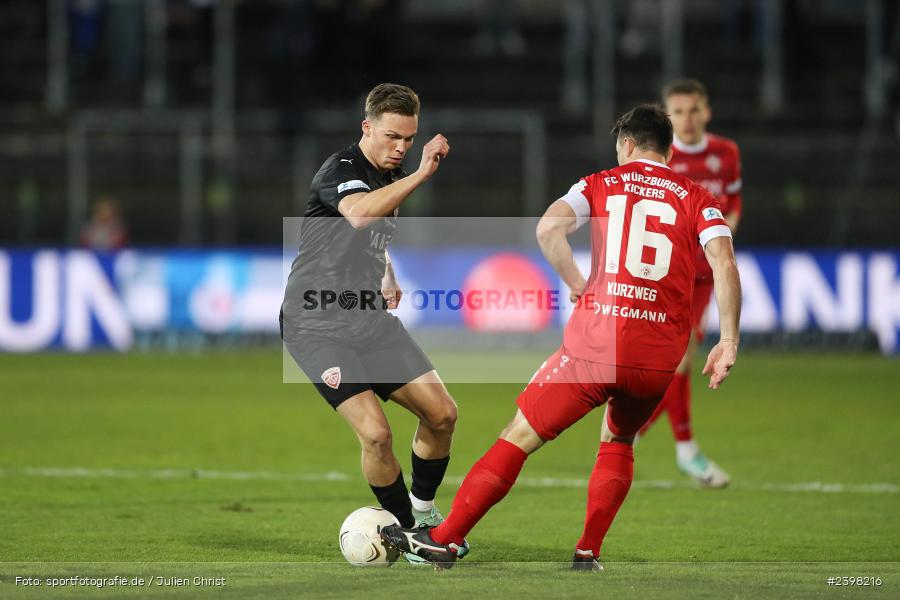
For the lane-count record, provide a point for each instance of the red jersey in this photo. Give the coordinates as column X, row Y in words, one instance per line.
column 647, row 225
column 714, row 163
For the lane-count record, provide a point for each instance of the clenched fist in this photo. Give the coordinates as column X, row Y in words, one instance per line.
column 435, row 150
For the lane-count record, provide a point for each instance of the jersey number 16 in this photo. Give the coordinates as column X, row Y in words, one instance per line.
column 638, row 237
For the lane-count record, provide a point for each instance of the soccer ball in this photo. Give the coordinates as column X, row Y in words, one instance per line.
column 359, row 539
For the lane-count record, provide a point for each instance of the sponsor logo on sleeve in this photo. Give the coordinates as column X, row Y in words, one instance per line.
column 712, row 213
column 356, row 184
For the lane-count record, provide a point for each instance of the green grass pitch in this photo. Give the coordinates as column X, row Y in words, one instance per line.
column 207, row 465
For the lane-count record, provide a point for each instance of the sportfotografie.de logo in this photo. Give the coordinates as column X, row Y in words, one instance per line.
column 436, row 299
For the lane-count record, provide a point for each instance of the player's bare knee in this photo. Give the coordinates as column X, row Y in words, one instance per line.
column 443, row 417
column 444, row 422
column 377, row 440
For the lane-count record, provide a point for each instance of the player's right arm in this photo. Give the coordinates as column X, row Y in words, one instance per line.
column 720, row 254
column 365, row 207
column 559, row 220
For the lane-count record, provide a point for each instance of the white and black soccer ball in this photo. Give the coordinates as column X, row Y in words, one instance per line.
column 359, row 539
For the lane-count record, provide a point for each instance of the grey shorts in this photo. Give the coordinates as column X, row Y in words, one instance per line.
column 385, row 361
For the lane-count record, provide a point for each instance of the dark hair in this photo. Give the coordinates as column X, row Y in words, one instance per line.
column 685, row 86
column 648, row 125
column 391, row 98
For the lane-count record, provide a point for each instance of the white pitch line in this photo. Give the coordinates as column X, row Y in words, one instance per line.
column 533, row 482
column 178, row 474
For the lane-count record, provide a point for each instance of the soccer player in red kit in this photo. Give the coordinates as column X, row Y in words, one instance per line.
column 715, row 163
column 626, row 336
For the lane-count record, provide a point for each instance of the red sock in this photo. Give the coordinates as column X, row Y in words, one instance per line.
column 486, row 484
column 607, row 488
column 678, row 403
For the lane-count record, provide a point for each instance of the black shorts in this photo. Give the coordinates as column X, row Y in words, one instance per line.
column 385, row 361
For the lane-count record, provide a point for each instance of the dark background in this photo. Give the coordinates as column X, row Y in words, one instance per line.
column 239, row 88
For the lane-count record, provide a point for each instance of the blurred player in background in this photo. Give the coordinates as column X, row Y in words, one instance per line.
column 352, row 349
column 715, row 163
column 626, row 336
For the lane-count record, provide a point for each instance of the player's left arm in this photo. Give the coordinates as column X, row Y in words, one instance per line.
column 390, row 289
column 720, row 254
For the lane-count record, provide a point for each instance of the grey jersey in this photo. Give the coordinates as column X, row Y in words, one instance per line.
column 334, row 288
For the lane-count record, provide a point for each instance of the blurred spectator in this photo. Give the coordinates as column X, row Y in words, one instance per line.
column 190, row 34
column 289, row 45
column 106, row 230
column 499, row 29
column 744, row 21
column 125, row 22
column 84, row 31
column 640, row 35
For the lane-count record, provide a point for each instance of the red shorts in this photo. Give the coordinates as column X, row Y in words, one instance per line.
column 565, row 389
column 703, row 289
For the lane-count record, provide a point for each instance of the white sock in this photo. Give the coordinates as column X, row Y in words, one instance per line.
column 420, row 505
column 686, row 450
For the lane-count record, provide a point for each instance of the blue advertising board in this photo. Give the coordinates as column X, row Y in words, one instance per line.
column 79, row 300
